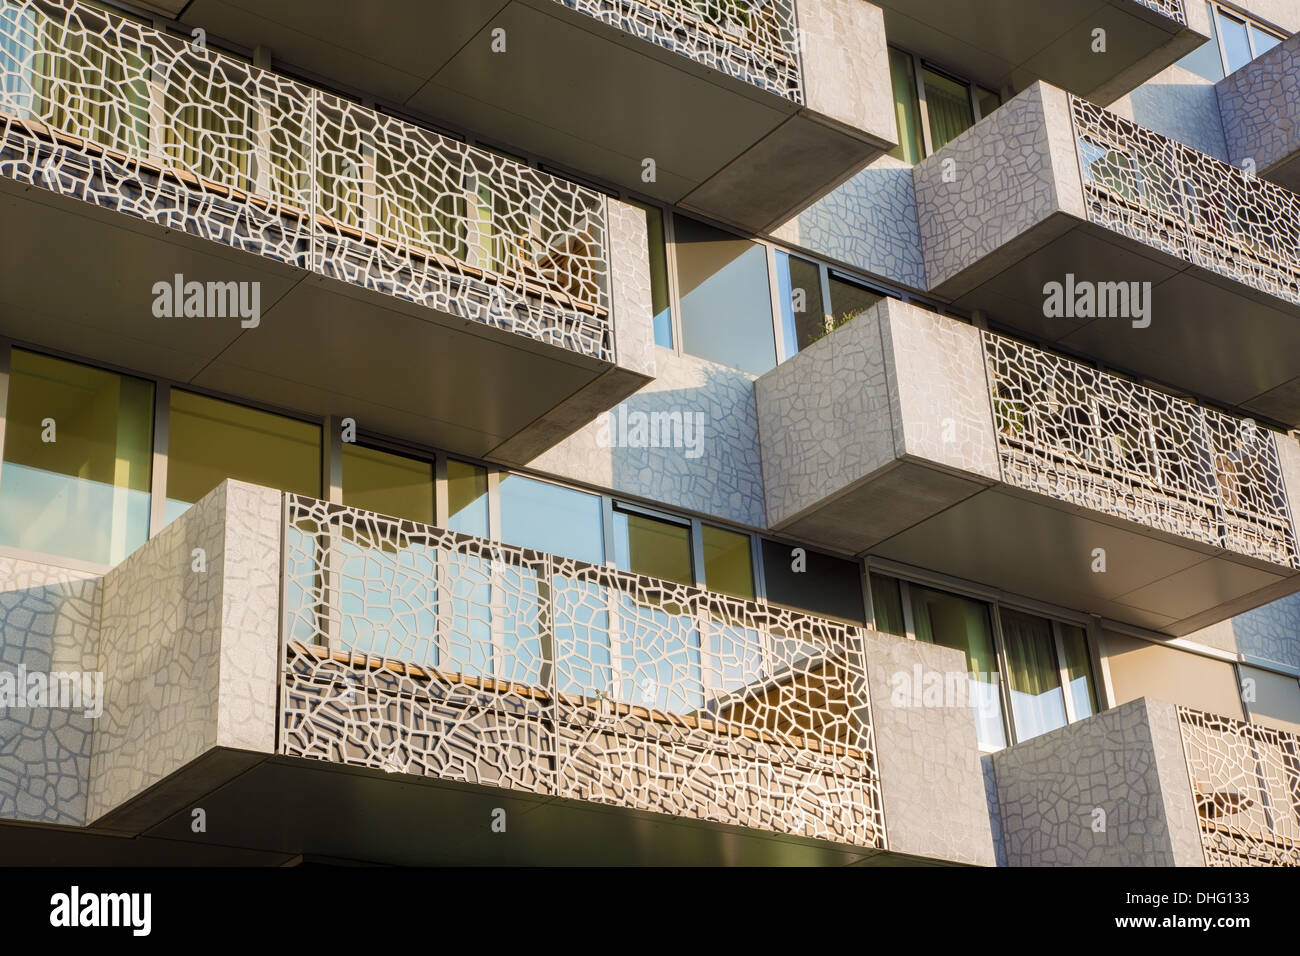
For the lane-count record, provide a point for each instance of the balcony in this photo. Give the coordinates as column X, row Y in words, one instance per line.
column 999, row 43
column 744, row 124
column 968, row 453
column 428, row 289
column 1176, row 787
column 1261, row 115
column 1052, row 189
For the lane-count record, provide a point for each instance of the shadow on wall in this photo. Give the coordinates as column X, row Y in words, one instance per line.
column 46, row 723
column 868, row 222
column 1270, row 633
column 1181, row 105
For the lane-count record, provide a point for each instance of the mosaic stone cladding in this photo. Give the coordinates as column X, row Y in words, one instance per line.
column 1246, row 785
column 416, row 650
column 126, row 117
column 751, row 41
column 1105, row 443
column 1188, row 204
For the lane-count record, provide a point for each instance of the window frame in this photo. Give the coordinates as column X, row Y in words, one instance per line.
column 1218, row 10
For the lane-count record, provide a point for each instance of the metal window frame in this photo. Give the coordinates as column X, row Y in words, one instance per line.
column 1218, row 9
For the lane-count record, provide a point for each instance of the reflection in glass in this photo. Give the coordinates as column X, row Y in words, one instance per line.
column 1078, row 671
column 1236, row 43
column 1261, row 41
column 663, row 321
column 808, row 580
column 552, row 519
column 1033, row 675
column 728, row 564
column 78, row 447
column 958, row 622
column 948, row 106
column 1205, row 61
column 652, row 546
column 390, row 484
column 467, row 498
column 849, row 300
column 802, row 319
column 907, row 112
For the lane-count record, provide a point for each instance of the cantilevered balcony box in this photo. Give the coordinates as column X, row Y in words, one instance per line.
column 1260, row 106
column 345, row 262
column 929, row 442
column 1052, row 189
column 1007, row 43
column 748, row 111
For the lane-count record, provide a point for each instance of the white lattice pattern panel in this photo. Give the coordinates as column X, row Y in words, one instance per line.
column 1188, row 204
column 123, row 116
column 1097, row 440
column 1173, row 9
column 752, row 40
column 1246, row 784
column 425, row 651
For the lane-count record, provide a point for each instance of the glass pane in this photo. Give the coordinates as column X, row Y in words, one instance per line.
column 988, row 101
column 1033, row 674
column 395, row 485
column 1078, row 670
column 906, row 111
column 654, row 224
column 551, row 518
column 1205, row 60
column 887, row 602
column 467, row 498
column 849, row 300
column 959, row 622
column 1262, row 41
column 802, row 319
column 728, row 564
column 78, row 448
column 1236, row 45
column 947, row 103
column 726, row 303
column 646, row 545
column 807, row 580
column 210, row 440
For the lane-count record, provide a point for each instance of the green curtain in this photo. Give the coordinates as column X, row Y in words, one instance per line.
column 948, row 106
column 1033, row 674
column 906, row 112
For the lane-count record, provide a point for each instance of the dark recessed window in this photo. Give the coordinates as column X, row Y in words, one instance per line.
column 811, row 581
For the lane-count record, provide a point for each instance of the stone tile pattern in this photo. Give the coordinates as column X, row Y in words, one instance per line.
column 869, row 223
column 1128, row 763
column 629, row 252
column 1179, row 104
column 1246, row 787
column 896, row 380
column 846, row 65
column 724, row 480
column 1188, row 204
column 189, row 657
column 416, row 650
column 752, row 42
column 123, row 116
column 1265, row 635
column 1108, row 444
column 49, row 622
column 1008, row 173
column 931, row 776
column 1260, row 106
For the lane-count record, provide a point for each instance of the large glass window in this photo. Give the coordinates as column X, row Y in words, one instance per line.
column 800, row 296
column 728, row 564
column 907, row 112
column 726, row 302
column 887, row 603
column 958, row 622
column 210, row 440
column 395, row 485
column 807, row 580
column 78, row 448
column 849, row 299
column 467, row 498
column 652, row 546
column 659, row 301
column 1234, row 41
column 1033, row 674
column 551, row 518
column 1078, row 671
column 947, row 106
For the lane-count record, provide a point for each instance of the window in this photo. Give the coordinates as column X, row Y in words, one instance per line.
column 659, row 298
column 1078, row 671
column 1033, row 674
column 551, row 518
column 887, row 603
column 948, row 107
column 389, row 484
column 78, row 448
column 652, row 546
column 932, row 107
column 1234, row 41
column 728, row 563
column 467, row 498
column 961, row 623
column 849, row 299
column 807, row 580
column 907, row 112
column 800, row 295
column 210, row 440
column 726, row 302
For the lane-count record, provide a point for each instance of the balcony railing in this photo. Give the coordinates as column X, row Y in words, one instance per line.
column 124, row 116
column 424, row 651
column 751, row 40
column 1246, row 784
column 1100, row 441
column 1173, row 9
column 1188, row 204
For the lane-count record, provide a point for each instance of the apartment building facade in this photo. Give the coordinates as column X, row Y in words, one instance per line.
column 659, row 431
